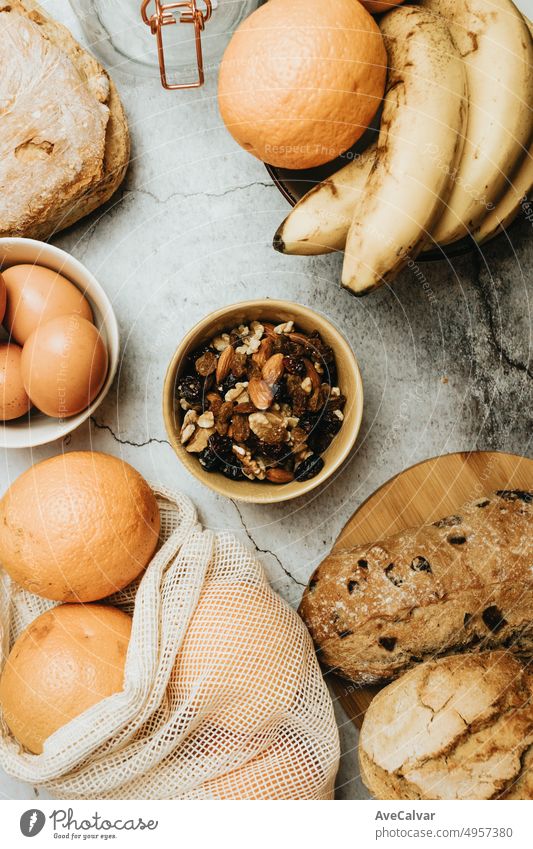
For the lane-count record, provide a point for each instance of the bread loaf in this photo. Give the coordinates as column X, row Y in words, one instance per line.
column 64, row 144
column 456, row 728
column 462, row 583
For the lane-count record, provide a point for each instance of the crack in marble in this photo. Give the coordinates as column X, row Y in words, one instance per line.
column 505, row 357
column 152, row 439
column 186, row 195
column 264, row 550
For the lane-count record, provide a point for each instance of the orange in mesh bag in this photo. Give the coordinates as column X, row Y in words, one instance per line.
column 223, row 697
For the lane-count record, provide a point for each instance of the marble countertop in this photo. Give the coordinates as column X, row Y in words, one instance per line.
column 446, row 357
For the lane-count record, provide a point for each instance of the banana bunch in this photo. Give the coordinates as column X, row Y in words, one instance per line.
column 454, row 156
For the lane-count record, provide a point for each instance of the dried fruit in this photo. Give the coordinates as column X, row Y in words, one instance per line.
column 241, row 428
column 190, row 389
column 260, row 393
column 206, row 364
column 294, row 366
column 309, row 468
column 238, row 364
column 261, row 403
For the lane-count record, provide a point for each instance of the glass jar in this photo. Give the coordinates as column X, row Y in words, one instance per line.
column 179, row 42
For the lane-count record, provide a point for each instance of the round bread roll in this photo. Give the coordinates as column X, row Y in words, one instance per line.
column 460, row 727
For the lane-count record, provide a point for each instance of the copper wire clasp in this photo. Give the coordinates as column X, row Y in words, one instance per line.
column 162, row 16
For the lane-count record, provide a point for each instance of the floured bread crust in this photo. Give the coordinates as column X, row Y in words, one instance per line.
column 64, row 144
column 462, row 583
column 460, row 727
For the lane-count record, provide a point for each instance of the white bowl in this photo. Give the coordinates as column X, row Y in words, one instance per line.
column 37, row 428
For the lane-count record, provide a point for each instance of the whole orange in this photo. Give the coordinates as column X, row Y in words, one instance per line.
column 301, row 80
column 67, row 660
column 78, row 527
column 378, row 6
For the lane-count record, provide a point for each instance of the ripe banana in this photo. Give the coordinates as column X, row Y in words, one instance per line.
column 497, row 50
column 319, row 222
column 510, row 204
column 426, row 106
column 514, row 196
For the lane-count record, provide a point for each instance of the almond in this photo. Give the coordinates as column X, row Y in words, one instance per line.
column 312, row 374
column 279, row 476
column 260, row 394
column 224, row 364
column 273, row 369
column 261, row 356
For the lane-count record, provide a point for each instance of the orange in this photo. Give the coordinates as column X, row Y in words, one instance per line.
column 287, row 769
column 78, row 527
column 301, row 80
column 67, row 660
column 242, row 658
column 378, row 6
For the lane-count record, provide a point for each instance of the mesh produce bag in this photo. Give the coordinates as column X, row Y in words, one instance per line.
column 223, row 696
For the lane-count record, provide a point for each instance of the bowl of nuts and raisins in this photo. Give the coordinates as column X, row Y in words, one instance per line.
column 263, row 400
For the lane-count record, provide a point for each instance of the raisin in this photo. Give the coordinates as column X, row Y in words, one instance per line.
column 294, row 366
column 221, row 446
column 278, row 451
column 229, row 383
column 351, row 585
column 308, row 421
column 318, row 441
column 233, row 471
column 344, row 634
column 448, row 522
column 238, row 364
column 307, row 469
column 388, row 643
column 312, row 584
column 241, row 428
column 363, row 564
column 217, row 454
column 515, row 495
column 493, row 619
column 190, row 389
column 394, row 579
column 336, row 402
column 483, row 503
column 209, row 460
column 457, row 539
column 420, row 564
column 466, row 619
column 206, row 364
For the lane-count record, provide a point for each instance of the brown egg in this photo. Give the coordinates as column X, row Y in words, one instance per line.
column 64, row 365
column 2, row 298
column 14, row 401
column 35, row 295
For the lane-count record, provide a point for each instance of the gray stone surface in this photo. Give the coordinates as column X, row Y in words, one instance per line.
column 446, row 359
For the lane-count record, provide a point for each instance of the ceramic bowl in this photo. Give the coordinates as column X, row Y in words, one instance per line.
column 36, row 428
column 349, row 380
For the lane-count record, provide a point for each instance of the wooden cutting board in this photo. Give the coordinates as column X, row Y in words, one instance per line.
column 424, row 493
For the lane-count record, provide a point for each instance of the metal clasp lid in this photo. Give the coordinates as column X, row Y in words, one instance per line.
column 165, row 14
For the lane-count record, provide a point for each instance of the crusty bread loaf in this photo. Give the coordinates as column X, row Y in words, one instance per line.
column 64, row 143
column 460, row 727
column 462, row 583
